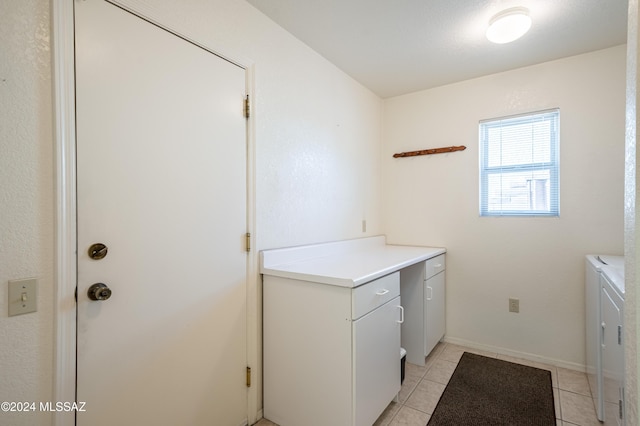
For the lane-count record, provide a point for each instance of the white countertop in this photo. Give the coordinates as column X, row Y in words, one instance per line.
column 347, row 263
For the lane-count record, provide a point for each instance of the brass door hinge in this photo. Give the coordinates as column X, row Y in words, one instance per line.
column 248, row 241
column 247, row 107
column 248, row 376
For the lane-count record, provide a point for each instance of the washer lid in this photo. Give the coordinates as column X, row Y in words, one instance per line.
column 615, row 276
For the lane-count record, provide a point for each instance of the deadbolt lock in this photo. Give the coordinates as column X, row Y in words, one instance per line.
column 98, row 251
column 99, row 291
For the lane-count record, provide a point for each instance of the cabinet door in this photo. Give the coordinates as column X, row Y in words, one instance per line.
column 376, row 361
column 412, row 294
column 434, row 311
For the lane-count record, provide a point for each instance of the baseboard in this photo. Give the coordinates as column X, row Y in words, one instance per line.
column 516, row 354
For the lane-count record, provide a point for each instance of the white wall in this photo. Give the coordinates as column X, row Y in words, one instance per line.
column 317, row 139
column 26, row 203
column 317, row 130
column 433, row 200
column 631, row 231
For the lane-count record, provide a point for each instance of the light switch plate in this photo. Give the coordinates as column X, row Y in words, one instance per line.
column 514, row 305
column 23, row 296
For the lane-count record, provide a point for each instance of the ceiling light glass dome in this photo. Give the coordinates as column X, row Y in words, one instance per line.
column 509, row 25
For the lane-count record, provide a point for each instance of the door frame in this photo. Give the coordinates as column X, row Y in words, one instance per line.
column 65, row 275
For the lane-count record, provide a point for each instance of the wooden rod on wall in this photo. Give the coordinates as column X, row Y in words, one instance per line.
column 430, row 151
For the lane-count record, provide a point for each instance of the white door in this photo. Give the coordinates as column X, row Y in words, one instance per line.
column 162, row 184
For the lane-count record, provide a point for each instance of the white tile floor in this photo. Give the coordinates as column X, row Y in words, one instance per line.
column 423, row 386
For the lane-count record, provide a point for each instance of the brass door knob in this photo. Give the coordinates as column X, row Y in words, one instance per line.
column 99, row 291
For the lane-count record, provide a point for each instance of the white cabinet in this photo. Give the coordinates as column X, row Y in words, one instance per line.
column 434, row 302
column 422, row 290
column 331, row 353
column 331, row 327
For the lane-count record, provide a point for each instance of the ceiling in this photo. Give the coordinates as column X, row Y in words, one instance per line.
column 395, row 47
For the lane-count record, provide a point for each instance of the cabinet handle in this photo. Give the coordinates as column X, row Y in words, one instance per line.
column 382, row 292
column 401, row 315
column 437, row 265
column 430, row 296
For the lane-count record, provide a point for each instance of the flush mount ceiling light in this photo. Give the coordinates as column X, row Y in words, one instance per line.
column 509, row 25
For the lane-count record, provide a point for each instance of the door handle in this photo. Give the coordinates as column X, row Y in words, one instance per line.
column 401, row 315
column 99, row 291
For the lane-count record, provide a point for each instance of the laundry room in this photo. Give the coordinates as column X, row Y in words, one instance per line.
column 322, row 166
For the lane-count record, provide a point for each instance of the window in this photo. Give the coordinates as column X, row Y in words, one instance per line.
column 519, row 165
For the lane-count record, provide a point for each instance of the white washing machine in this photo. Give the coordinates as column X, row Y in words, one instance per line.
column 593, row 338
column 612, row 317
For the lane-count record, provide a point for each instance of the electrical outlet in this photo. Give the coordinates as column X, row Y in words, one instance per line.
column 514, row 305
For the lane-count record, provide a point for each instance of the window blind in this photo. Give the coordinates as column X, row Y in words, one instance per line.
column 519, row 170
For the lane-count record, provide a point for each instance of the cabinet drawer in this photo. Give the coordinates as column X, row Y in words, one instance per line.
column 375, row 293
column 435, row 265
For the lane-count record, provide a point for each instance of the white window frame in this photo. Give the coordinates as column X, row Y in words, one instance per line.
column 552, row 166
